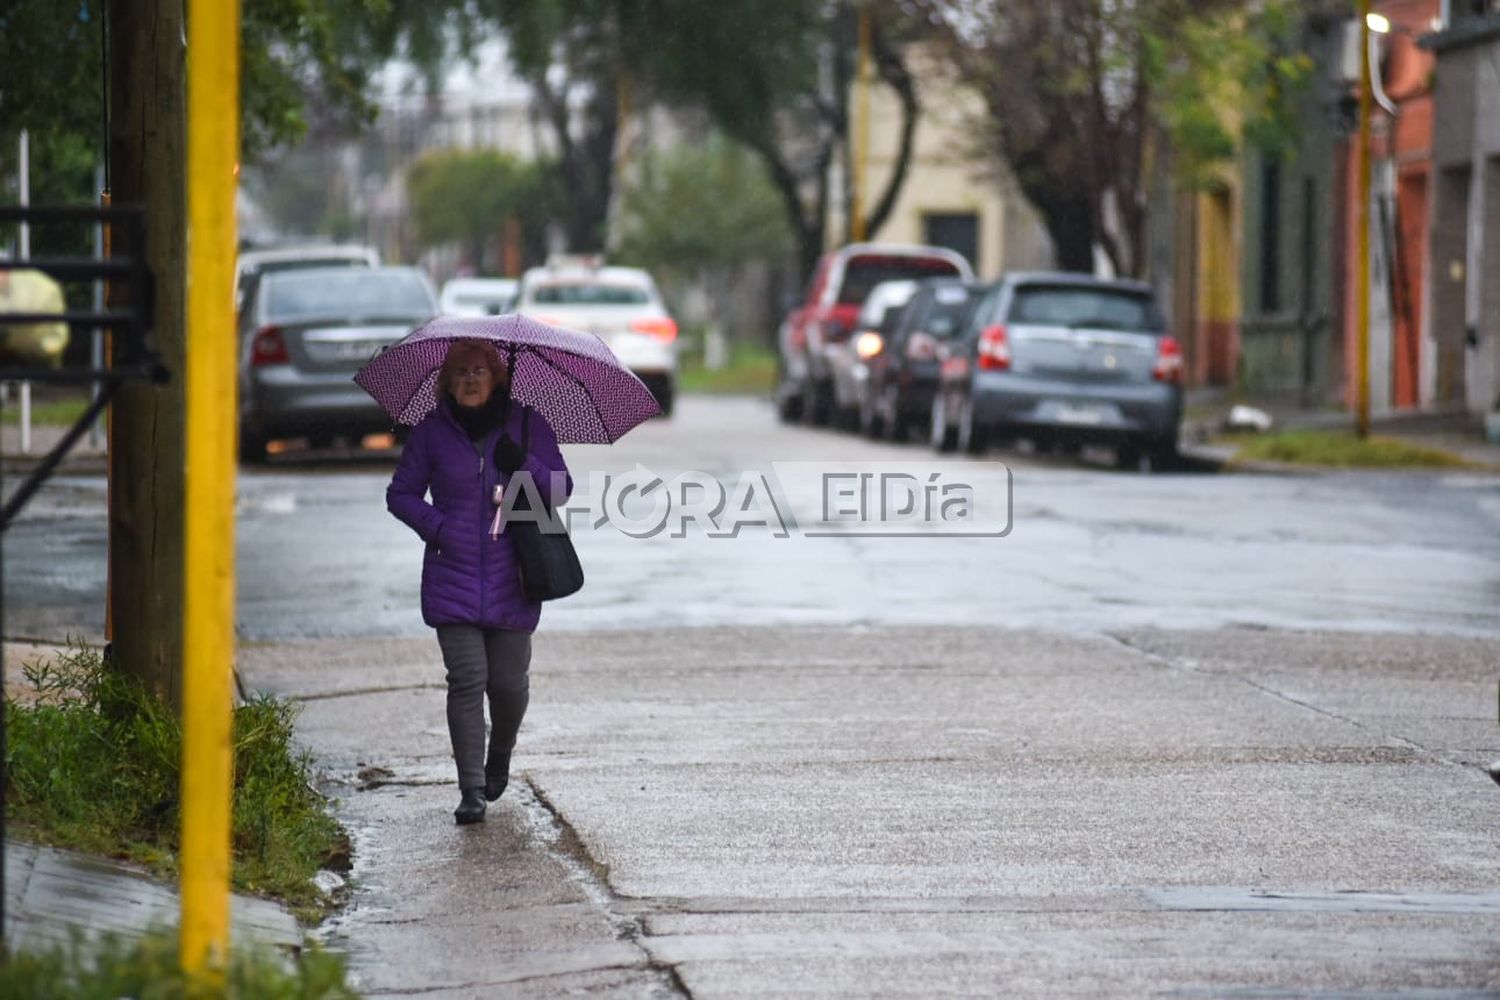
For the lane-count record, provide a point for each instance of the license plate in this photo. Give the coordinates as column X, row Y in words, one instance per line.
column 1088, row 415
column 355, row 350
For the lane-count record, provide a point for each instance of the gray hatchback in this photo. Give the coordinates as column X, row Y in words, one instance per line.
column 304, row 334
column 1064, row 357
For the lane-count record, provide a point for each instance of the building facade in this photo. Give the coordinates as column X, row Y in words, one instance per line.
column 1462, row 346
column 1294, row 232
column 955, row 194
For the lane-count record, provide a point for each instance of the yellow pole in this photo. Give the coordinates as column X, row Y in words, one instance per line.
column 860, row 147
column 1362, row 225
column 208, row 598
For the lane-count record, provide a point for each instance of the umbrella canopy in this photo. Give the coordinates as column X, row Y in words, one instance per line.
column 573, row 379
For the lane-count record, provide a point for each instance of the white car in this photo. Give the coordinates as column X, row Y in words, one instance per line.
column 478, row 296
column 620, row 305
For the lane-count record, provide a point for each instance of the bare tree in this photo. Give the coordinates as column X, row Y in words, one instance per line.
column 1077, row 92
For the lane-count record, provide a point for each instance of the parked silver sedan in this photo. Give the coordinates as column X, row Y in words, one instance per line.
column 1067, row 358
column 304, row 335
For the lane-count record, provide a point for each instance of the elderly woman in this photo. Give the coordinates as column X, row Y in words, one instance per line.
column 471, row 588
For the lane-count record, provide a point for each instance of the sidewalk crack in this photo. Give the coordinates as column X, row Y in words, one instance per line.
column 564, row 843
column 1173, row 664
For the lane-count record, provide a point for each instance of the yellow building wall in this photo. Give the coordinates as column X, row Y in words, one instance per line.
column 949, row 173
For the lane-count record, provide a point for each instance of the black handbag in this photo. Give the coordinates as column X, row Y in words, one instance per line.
column 549, row 564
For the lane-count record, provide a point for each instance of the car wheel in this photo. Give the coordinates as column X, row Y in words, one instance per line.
column 788, row 402
column 819, row 405
column 972, row 439
column 252, row 445
column 870, row 423
column 896, row 426
column 665, row 393
column 1162, row 454
column 944, row 436
column 1128, row 456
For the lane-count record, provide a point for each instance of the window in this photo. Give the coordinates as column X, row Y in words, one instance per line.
column 1270, row 234
column 352, row 292
column 590, row 295
column 863, row 273
column 957, row 231
column 1082, row 306
column 948, row 309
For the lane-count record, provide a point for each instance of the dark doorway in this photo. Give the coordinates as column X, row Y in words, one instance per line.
column 956, row 231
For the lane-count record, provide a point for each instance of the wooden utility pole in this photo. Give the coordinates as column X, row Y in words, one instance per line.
column 147, row 138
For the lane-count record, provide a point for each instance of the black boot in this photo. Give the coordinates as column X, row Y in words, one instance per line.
column 470, row 807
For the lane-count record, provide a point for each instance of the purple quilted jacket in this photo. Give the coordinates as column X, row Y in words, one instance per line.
column 469, row 578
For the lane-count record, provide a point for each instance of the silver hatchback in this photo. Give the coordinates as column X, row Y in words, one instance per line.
column 304, row 334
column 1064, row 357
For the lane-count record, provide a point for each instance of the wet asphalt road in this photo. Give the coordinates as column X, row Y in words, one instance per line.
column 1185, row 735
column 1089, row 548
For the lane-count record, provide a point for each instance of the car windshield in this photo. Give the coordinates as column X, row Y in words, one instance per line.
column 863, row 273
column 307, row 263
column 347, row 293
column 1078, row 306
column 596, row 294
column 481, row 301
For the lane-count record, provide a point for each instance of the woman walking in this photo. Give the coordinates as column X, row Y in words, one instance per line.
column 461, row 452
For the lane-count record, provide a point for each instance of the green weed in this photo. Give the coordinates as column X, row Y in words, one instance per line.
column 751, row 370
column 1343, row 449
column 95, row 765
column 148, row 968
column 55, row 412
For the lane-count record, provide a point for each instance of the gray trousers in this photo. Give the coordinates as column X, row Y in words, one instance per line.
column 481, row 662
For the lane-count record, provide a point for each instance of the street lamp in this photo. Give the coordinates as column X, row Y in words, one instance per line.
column 1362, row 223
column 1378, row 23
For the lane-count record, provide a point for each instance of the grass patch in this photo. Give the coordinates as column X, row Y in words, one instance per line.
column 751, row 370
column 148, row 967
column 94, row 765
column 1344, row 450
column 52, row 412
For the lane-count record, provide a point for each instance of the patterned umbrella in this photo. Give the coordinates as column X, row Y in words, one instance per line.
column 573, row 379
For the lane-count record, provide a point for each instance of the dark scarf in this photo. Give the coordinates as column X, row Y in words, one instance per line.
column 478, row 421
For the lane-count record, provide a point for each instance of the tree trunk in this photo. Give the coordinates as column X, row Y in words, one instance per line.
column 586, row 161
column 147, row 155
column 806, row 227
column 893, row 71
column 1070, row 224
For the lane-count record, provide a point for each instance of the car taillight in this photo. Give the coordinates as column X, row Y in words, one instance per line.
column 868, row 344
column 994, row 348
column 921, row 347
column 1168, row 366
column 662, row 329
column 269, row 348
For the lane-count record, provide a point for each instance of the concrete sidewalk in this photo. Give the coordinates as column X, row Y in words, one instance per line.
column 924, row 811
column 51, row 895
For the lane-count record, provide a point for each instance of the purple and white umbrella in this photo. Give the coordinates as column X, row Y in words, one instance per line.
column 573, row 379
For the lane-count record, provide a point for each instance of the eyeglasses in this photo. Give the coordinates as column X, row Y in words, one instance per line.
column 480, row 372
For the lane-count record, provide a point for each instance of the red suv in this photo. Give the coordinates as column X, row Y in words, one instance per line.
column 826, row 318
